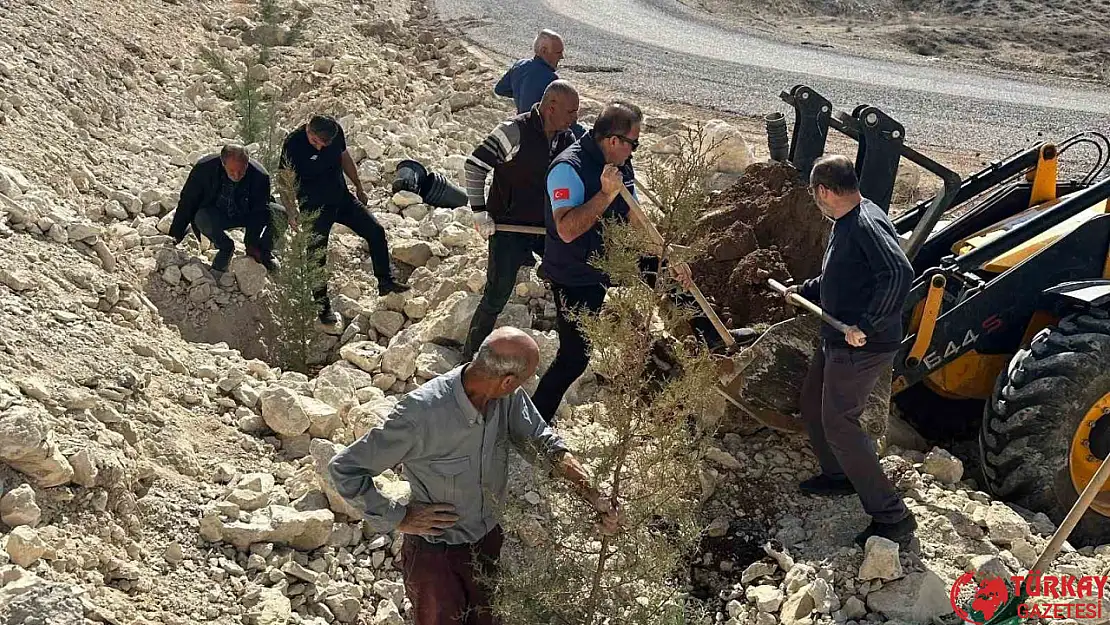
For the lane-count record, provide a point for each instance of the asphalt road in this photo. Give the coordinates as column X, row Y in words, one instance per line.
column 667, row 52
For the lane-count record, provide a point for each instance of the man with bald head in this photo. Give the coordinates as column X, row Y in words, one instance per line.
column 518, row 152
column 527, row 78
column 224, row 191
column 451, row 435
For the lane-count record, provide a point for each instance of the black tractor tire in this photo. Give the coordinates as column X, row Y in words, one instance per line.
column 1039, row 401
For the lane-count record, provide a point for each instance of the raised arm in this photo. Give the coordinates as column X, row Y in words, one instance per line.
column 572, row 212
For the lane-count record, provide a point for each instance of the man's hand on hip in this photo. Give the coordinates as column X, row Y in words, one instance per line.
column 855, row 337
column 428, row 519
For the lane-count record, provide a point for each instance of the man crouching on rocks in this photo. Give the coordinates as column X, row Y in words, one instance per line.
column 451, row 435
column 228, row 191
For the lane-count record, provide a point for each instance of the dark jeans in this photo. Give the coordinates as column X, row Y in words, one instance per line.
column 508, row 251
column 442, row 581
column 573, row 354
column 214, row 224
column 834, row 395
column 348, row 211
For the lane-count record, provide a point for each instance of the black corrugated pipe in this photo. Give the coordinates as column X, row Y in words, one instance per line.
column 778, row 142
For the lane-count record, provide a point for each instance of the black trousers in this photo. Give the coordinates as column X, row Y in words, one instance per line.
column 214, row 224
column 345, row 209
column 834, row 396
column 573, row 355
column 508, row 252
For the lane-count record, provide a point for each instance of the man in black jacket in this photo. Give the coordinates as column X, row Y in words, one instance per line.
column 317, row 154
column 864, row 281
column 224, row 191
column 518, row 152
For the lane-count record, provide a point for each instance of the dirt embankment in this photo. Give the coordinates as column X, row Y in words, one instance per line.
column 1065, row 37
column 764, row 226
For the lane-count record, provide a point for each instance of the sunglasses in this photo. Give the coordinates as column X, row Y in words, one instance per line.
column 635, row 143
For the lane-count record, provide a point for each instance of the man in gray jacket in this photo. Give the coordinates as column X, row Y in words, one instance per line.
column 452, row 436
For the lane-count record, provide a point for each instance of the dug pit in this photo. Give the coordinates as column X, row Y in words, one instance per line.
column 766, row 225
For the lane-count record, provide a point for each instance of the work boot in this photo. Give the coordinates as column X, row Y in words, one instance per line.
column 391, row 285
column 223, row 257
column 898, row 531
column 264, row 258
column 825, row 486
column 328, row 316
column 271, row 264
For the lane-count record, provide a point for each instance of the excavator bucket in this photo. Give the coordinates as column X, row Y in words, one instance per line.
column 765, row 379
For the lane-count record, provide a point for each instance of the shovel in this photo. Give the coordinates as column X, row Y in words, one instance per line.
column 788, row 343
column 1007, row 614
column 765, row 379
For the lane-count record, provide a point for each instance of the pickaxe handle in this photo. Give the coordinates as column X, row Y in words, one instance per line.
column 634, row 207
column 521, row 229
column 810, row 306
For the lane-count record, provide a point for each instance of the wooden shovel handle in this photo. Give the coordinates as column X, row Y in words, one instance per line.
column 798, row 300
column 521, row 229
column 1077, row 510
column 634, row 207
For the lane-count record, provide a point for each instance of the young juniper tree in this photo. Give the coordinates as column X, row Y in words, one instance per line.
column 300, row 275
column 644, row 439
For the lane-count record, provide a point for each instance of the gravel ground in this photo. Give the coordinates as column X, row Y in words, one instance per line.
column 664, row 51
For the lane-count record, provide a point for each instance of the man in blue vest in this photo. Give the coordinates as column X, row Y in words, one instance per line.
column 583, row 188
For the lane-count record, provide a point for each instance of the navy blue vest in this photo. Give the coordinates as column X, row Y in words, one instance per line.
column 568, row 264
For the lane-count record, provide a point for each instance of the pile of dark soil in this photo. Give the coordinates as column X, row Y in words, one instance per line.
column 765, row 226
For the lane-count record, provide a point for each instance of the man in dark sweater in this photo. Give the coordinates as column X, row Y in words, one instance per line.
column 317, row 153
column 224, row 191
column 518, row 152
column 865, row 278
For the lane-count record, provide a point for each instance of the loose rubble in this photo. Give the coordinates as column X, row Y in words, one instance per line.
column 157, row 467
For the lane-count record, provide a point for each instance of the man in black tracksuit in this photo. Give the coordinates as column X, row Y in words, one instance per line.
column 518, row 152
column 317, row 154
column 224, row 191
column 865, row 278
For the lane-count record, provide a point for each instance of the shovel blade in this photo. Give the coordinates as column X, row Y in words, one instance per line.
column 767, row 378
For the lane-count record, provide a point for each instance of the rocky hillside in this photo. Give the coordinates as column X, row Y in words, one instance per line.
column 157, row 464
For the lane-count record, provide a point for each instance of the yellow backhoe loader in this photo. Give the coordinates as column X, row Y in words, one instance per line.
column 1008, row 319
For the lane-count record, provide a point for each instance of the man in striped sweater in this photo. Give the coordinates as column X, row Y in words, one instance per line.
column 865, row 278
column 517, row 152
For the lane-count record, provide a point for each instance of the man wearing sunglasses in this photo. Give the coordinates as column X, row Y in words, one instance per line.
column 583, row 189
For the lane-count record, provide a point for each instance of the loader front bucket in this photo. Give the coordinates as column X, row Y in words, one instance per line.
column 765, row 379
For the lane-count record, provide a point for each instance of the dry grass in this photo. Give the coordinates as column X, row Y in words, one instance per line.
column 1066, row 37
